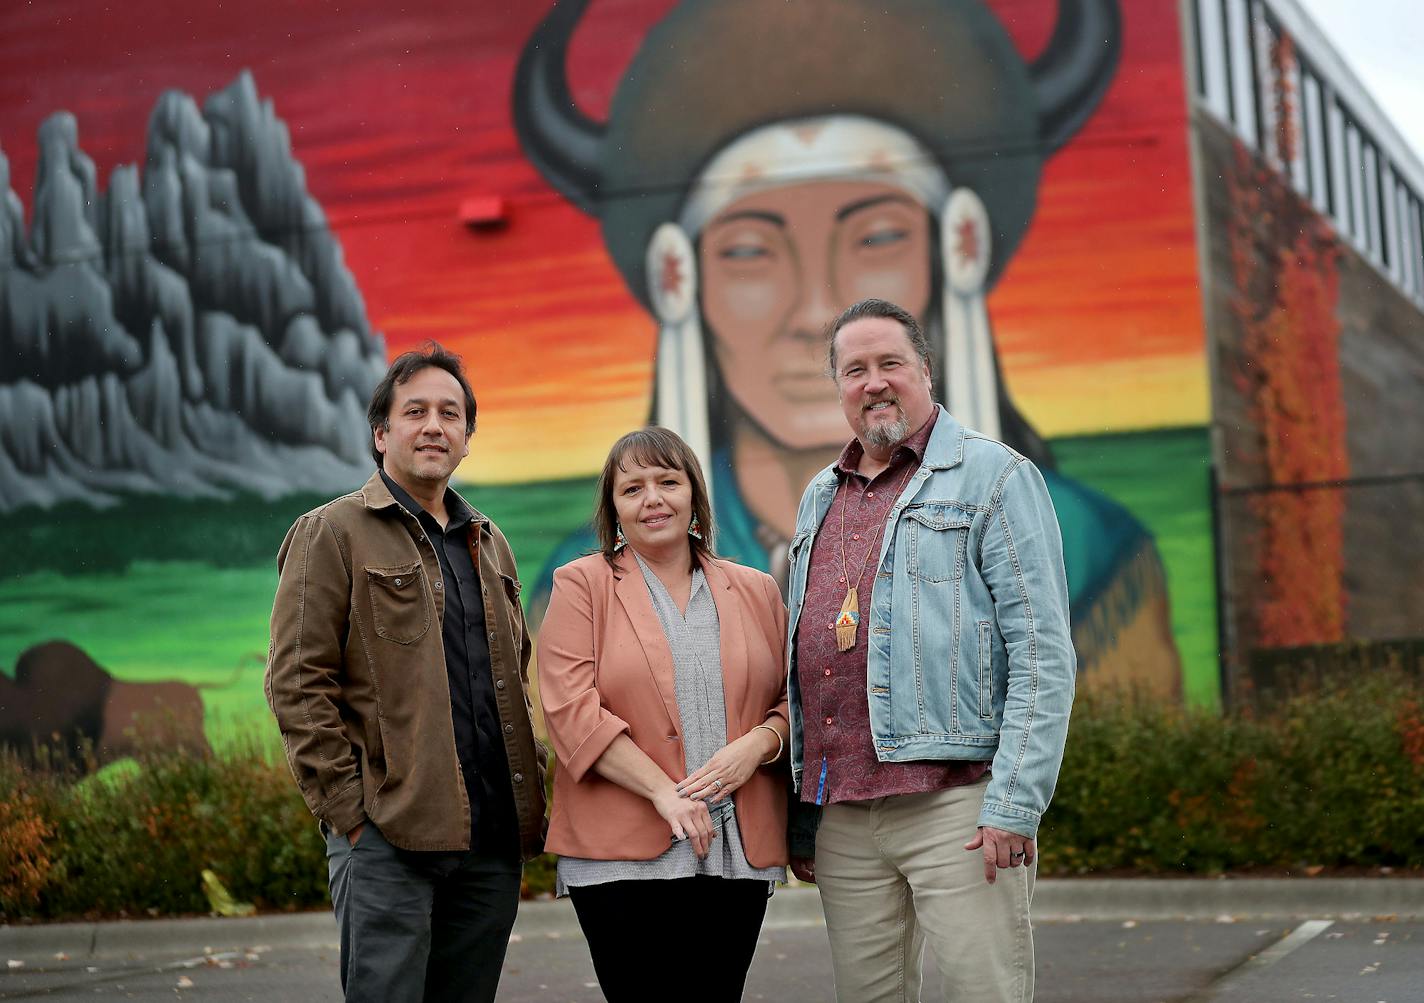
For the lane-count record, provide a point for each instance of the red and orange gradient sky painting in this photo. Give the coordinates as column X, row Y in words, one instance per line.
column 400, row 115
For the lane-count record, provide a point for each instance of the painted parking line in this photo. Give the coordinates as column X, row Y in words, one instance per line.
column 1288, row 944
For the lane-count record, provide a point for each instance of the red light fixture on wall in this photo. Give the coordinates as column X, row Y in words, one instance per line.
column 484, row 212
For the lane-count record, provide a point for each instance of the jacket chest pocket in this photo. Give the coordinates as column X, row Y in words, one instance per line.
column 935, row 541
column 400, row 611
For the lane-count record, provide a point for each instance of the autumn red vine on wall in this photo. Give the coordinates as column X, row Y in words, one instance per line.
column 1285, row 265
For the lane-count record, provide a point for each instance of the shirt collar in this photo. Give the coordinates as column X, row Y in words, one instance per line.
column 651, row 577
column 915, row 445
column 456, row 511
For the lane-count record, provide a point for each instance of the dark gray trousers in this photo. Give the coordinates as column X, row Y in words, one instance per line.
column 420, row 926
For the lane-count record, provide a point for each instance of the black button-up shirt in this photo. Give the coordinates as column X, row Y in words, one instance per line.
column 478, row 740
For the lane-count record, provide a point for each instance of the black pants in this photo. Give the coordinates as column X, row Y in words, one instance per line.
column 689, row 939
column 420, row 926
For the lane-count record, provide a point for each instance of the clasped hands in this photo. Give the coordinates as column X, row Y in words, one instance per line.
column 684, row 806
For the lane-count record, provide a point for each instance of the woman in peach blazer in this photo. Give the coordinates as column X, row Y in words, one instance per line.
column 662, row 678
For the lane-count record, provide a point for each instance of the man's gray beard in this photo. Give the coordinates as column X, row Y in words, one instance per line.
column 883, row 436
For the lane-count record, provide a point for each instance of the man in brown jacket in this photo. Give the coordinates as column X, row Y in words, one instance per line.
column 398, row 672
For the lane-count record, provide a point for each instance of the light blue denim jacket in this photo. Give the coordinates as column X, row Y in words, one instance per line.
column 970, row 654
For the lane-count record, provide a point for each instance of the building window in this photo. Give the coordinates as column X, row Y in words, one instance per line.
column 1339, row 172
column 1250, row 71
column 1200, row 46
column 1263, row 84
column 1373, row 224
column 1389, row 203
column 1229, row 98
column 1408, row 261
column 1359, row 229
column 1416, row 220
column 1299, row 134
column 1242, row 71
column 1316, row 141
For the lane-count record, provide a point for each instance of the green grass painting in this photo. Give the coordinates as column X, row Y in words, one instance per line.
column 156, row 620
column 1162, row 477
column 158, row 588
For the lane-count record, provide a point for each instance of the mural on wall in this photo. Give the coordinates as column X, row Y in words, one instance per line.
column 191, row 333
column 198, row 336
column 746, row 209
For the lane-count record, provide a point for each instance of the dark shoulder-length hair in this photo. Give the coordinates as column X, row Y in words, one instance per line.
column 652, row 446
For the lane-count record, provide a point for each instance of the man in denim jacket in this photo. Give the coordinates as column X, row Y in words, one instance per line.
column 931, row 679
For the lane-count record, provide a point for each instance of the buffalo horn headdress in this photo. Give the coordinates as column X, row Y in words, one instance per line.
column 943, row 72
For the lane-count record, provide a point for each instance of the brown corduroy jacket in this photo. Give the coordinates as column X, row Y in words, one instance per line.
column 356, row 674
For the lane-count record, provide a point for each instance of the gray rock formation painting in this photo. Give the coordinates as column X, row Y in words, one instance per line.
column 192, row 330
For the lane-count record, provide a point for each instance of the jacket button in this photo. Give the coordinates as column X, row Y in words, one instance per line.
column 398, row 581
column 438, row 586
column 509, row 729
column 492, row 637
column 828, row 720
column 518, row 778
column 499, row 684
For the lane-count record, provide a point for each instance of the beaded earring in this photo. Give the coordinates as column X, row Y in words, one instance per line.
column 620, row 541
column 694, row 529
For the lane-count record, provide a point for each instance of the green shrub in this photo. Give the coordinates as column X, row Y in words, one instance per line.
column 1330, row 779
column 134, row 838
column 1333, row 779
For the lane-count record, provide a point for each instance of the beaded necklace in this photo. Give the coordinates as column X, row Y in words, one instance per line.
column 848, row 619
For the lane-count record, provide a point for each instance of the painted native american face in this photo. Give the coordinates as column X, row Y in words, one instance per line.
column 777, row 266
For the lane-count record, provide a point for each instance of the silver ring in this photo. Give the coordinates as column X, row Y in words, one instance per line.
column 1016, row 853
column 716, row 785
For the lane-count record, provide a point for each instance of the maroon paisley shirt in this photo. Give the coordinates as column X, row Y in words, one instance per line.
column 840, row 763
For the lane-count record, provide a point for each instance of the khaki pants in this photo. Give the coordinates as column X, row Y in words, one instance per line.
column 893, row 874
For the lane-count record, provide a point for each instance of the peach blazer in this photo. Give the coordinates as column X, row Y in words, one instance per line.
column 605, row 668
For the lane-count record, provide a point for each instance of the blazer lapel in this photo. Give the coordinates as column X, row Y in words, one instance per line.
column 632, row 592
column 732, row 630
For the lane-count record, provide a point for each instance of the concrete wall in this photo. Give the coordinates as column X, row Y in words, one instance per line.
column 1317, row 420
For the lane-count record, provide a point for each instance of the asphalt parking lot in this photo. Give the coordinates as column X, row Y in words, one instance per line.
column 1119, row 942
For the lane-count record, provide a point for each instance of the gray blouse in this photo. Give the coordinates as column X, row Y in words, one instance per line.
column 696, row 644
